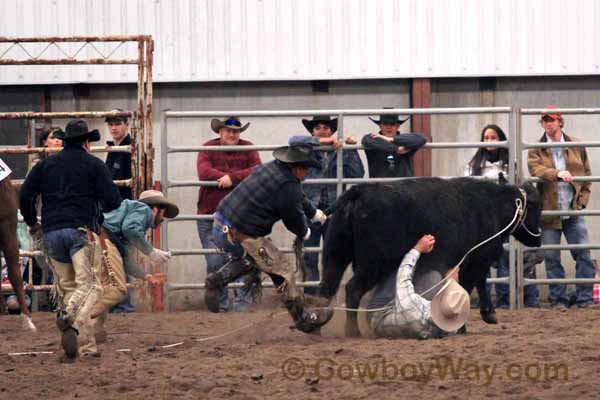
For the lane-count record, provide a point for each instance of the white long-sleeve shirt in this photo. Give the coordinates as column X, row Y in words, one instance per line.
column 408, row 314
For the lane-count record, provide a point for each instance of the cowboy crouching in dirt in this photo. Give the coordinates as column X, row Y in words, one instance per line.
column 123, row 231
column 242, row 220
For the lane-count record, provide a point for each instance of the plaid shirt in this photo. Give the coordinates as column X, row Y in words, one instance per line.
column 408, row 315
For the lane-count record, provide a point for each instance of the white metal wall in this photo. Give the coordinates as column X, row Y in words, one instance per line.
column 246, row 40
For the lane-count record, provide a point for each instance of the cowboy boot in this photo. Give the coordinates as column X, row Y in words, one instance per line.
column 253, row 285
column 216, row 281
column 69, row 335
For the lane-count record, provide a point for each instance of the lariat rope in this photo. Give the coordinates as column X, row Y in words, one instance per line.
column 520, row 213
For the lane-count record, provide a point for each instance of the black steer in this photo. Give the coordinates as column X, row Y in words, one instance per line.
column 375, row 225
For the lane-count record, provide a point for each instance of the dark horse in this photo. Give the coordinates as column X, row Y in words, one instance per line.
column 375, row 225
column 9, row 246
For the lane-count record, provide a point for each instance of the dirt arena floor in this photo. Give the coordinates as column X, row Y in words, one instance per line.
column 533, row 353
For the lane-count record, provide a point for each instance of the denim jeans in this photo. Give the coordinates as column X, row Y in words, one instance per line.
column 208, row 232
column 531, row 293
column 575, row 232
column 63, row 243
column 312, row 259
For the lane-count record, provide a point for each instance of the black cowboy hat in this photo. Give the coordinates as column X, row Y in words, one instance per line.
column 391, row 118
column 309, row 124
column 122, row 119
column 229, row 122
column 77, row 128
column 301, row 153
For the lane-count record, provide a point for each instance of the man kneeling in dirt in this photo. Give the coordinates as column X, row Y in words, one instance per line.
column 124, row 230
column 242, row 220
column 408, row 315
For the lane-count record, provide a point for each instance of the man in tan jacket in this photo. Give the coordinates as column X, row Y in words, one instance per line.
column 557, row 166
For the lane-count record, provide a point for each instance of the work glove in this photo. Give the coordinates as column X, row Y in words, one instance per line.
column 159, row 256
column 307, row 235
column 319, row 217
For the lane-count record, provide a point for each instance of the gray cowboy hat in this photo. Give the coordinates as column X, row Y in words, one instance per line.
column 301, row 153
column 77, row 128
column 309, row 124
column 391, row 118
column 157, row 198
column 229, row 122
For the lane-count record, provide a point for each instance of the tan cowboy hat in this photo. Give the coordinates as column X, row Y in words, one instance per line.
column 156, row 198
column 450, row 306
column 229, row 122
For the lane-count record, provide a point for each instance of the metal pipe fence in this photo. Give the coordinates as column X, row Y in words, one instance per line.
column 521, row 282
column 141, row 150
column 515, row 146
column 167, row 150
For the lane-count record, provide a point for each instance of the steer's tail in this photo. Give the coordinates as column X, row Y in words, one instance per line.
column 338, row 246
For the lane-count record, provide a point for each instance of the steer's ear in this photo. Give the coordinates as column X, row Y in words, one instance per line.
column 502, row 179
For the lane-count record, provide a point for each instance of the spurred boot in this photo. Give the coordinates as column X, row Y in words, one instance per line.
column 216, row 281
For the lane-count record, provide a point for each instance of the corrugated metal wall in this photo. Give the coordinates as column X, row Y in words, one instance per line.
column 245, row 40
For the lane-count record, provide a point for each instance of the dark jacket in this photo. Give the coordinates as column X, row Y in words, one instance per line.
column 119, row 165
column 383, row 158
column 212, row 165
column 323, row 196
column 271, row 193
column 73, row 184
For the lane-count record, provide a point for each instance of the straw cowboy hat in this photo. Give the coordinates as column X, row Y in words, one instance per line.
column 390, row 118
column 301, row 153
column 156, row 198
column 310, row 124
column 229, row 122
column 450, row 306
column 77, row 128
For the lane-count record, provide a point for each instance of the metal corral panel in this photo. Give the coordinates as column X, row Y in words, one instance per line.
column 241, row 40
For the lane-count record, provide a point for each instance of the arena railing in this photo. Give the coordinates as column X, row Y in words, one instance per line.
column 167, row 183
column 521, row 282
column 91, row 50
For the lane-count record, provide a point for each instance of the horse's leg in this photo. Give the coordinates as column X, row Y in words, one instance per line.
column 486, row 308
column 10, row 246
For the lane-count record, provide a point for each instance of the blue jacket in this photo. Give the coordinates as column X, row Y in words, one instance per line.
column 131, row 221
column 352, row 164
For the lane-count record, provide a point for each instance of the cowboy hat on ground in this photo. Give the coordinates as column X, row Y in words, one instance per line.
column 229, row 122
column 310, row 124
column 157, row 198
column 450, row 306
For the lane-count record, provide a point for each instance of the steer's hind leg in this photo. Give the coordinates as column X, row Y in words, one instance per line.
column 355, row 290
column 486, row 308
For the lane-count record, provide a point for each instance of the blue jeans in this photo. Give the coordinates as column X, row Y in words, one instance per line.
column 312, row 259
column 63, row 243
column 214, row 262
column 531, row 293
column 575, row 232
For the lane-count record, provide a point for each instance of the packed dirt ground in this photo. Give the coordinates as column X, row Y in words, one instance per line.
column 532, row 353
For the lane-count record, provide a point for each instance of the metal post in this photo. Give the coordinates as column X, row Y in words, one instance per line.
column 164, row 177
column 512, row 139
column 340, row 157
